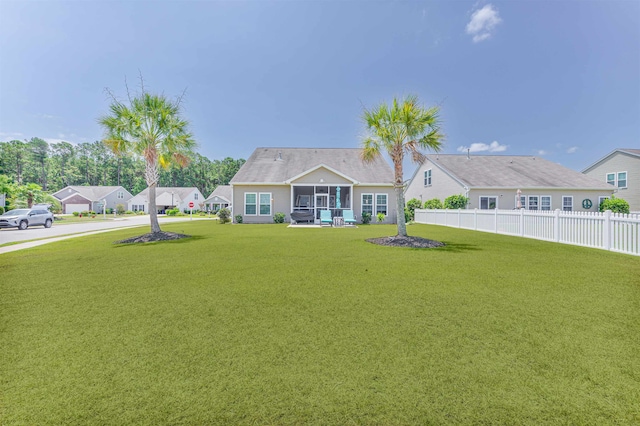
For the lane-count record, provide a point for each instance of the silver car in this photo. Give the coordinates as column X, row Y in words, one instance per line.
column 24, row 218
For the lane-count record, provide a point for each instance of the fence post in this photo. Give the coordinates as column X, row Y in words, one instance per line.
column 495, row 220
column 556, row 225
column 607, row 230
column 475, row 219
column 522, row 222
column 458, row 218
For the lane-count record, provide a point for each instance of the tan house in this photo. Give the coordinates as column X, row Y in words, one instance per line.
column 91, row 198
column 621, row 169
column 493, row 182
column 301, row 182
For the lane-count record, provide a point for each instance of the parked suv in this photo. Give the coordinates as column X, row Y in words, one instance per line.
column 24, row 218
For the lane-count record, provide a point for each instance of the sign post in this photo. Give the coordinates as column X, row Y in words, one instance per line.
column 191, row 210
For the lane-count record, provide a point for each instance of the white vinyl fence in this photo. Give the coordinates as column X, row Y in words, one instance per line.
column 608, row 231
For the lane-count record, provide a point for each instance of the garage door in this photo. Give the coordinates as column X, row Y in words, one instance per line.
column 70, row 208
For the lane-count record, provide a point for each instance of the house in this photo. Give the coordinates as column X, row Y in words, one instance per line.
column 220, row 198
column 305, row 181
column 168, row 198
column 91, row 198
column 494, row 182
column 620, row 168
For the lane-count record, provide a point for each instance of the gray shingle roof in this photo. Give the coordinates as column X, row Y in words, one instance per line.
column 277, row 165
column 511, row 171
column 181, row 192
column 92, row 193
column 222, row 191
column 630, row 151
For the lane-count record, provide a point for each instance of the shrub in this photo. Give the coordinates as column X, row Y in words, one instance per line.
column 109, row 210
column 407, row 215
column 1, row 210
column 434, row 203
column 225, row 216
column 412, row 205
column 140, row 213
column 238, row 218
column 616, row 205
column 76, row 214
column 128, row 212
column 120, row 209
column 84, row 213
column 279, row 217
column 380, row 217
column 456, row 202
column 366, row 217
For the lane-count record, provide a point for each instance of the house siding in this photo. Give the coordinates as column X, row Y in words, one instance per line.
column 621, row 162
column 76, row 199
column 392, row 210
column 506, row 198
column 322, row 175
column 280, row 196
column 442, row 185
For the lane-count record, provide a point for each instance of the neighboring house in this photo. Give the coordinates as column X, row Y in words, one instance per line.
column 620, row 168
column 220, row 198
column 168, row 198
column 308, row 180
column 493, row 181
column 91, row 198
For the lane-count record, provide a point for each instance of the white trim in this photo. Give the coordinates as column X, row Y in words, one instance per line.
column 488, row 197
column 321, row 165
column 270, row 203
column 430, row 178
column 375, row 203
column 550, row 203
column 570, row 197
column 245, row 204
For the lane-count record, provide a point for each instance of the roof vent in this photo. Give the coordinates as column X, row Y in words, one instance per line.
column 468, row 156
column 279, row 157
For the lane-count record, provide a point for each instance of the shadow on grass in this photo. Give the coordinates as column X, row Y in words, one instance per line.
column 458, row 247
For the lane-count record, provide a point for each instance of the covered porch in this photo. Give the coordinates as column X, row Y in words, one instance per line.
column 307, row 200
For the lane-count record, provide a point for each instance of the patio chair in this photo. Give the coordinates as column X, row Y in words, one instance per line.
column 325, row 217
column 349, row 218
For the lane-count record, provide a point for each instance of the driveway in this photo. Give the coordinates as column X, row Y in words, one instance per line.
column 59, row 231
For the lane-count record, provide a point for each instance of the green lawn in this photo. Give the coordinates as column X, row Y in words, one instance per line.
column 263, row 324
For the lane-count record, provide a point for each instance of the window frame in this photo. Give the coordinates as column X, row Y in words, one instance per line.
column 428, row 177
column 537, row 203
column 260, row 204
column 542, row 204
column 362, row 203
column 564, row 206
column 601, row 198
column 488, row 197
column 626, row 175
column 386, row 204
column 255, row 204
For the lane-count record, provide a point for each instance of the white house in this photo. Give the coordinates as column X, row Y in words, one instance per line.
column 220, row 198
column 168, row 198
column 493, row 182
column 621, row 169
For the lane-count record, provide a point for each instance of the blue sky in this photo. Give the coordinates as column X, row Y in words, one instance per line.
column 559, row 79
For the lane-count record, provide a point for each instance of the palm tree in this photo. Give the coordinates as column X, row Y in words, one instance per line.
column 404, row 128
column 150, row 126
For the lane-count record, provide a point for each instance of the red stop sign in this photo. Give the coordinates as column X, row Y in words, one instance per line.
column 191, row 204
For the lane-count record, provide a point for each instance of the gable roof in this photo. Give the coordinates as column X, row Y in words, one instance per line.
column 513, row 171
column 280, row 165
column 180, row 193
column 91, row 193
column 630, row 151
column 222, row 191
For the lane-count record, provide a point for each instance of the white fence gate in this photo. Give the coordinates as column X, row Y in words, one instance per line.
column 608, row 231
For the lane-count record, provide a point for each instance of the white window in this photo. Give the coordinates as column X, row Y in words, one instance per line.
column 567, row 203
column 427, row 177
column 265, row 204
column 545, row 202
column 120, row 194
column 195, row 196
column 250, row 203
column 381, row 203
column 533, row 202
column 523, row 202
column 618, row 179
column 488, row 203
column 367, row 203
column 600, row 200
column 622, row 179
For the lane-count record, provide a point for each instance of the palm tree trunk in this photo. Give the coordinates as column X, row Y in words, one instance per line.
column 402, row 225
column 153, row 209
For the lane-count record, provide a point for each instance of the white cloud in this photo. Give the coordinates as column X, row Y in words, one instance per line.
column 9, row 136
column 572, row 150
column 483, row 21
column 541, row 152
column 480, row 147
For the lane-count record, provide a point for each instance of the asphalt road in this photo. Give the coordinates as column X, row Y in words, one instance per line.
column 12, row 235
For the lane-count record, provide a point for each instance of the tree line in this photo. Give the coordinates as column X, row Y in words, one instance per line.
column 57, row 165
